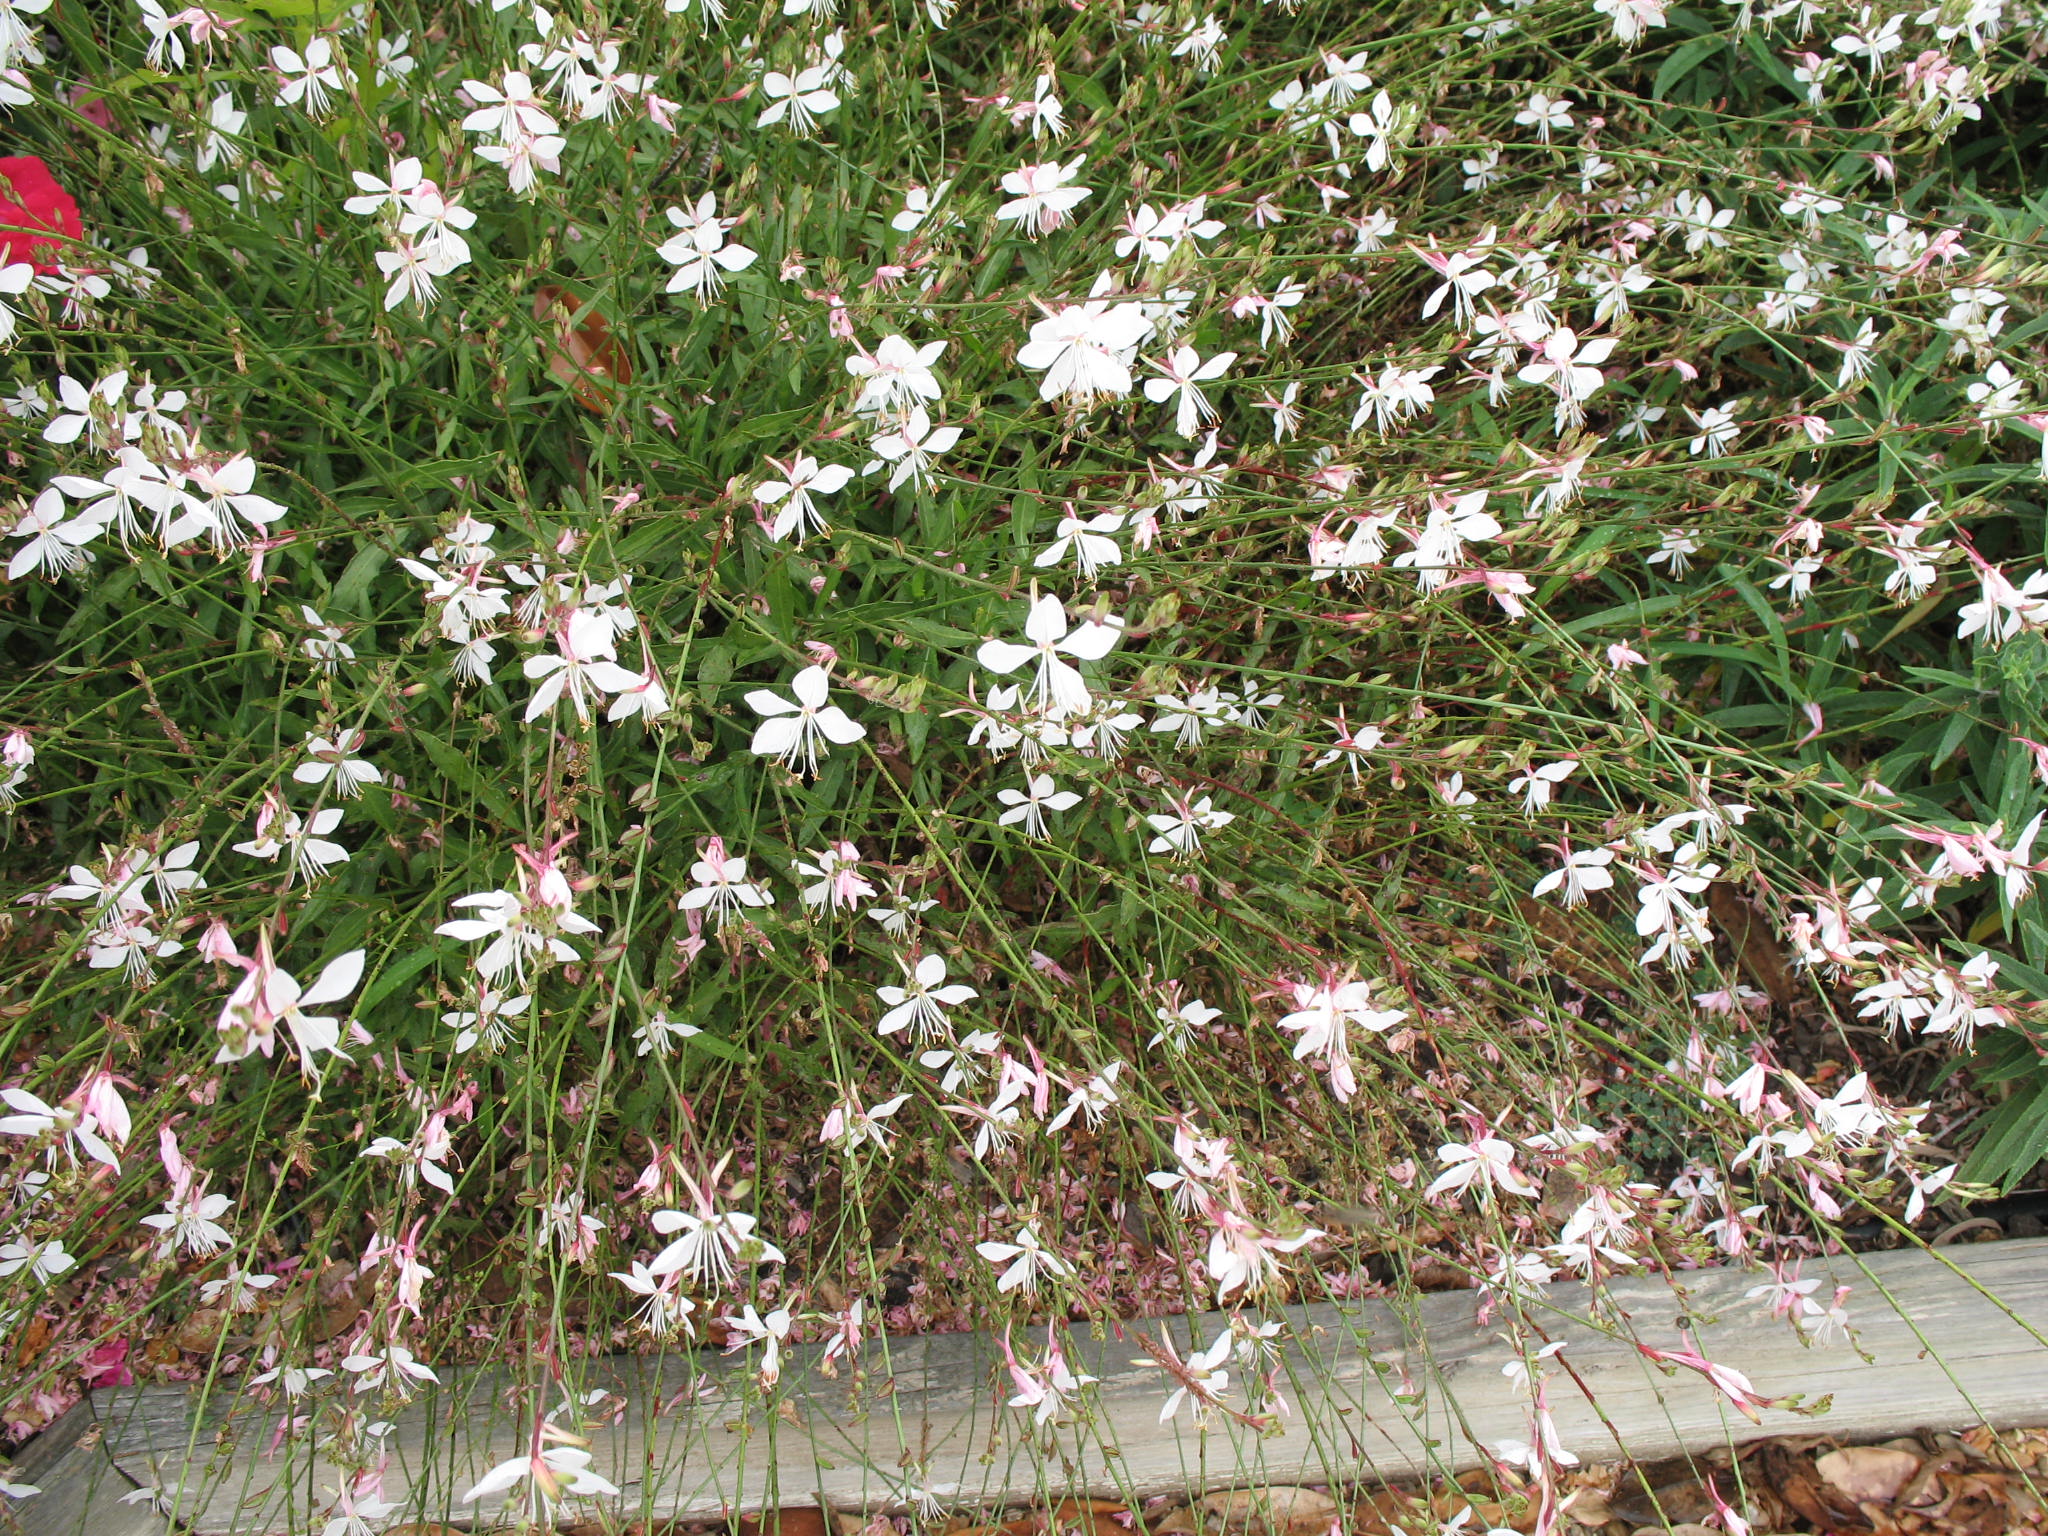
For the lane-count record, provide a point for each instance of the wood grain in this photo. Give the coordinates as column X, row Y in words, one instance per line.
column 1949, row 1338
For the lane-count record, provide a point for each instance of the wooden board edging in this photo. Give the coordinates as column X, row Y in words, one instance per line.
column 1944, row 1339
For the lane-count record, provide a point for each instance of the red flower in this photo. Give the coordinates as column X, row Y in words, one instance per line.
column 33, row 211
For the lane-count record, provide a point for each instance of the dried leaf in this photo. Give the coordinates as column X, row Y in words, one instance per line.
column 1752, row 940
column 795, row 1520
column 1589, row 1507
column 1868, row 1472
column 1791, row 1477
column 200, row 1329
column 28, row 1344
column 585, row 356
column 1089, row 1517
column 1273, row 1511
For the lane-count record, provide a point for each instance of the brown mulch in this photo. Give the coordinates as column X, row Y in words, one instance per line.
column 1981, row 1482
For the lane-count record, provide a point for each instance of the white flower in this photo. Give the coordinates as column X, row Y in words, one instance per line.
column 1324, row 1016
column 308, row 78
column 1718, row 429
column 44, row 1261
column 1996, row 396
column 923, row 1002
column 908, row 448
column 709, row 1244
column 664, row 1309
column 918, row 203
column 801, row 99
column 1546, row 113
column 849, row 1126
column 897, row 375
column 1177, row 1025
column 1182, row 372
column 1538, row 785
column 514, row 114
column 840, row 885
column 55, row 543
column 699, row 252
column 660, row 1034
column 224, row 122
column 268, row 997
column 1028, row 1260
column 307, row 839
column 792, row 731
column 516, row 931
column 804, row 477
column 1180, row 833
column 1206, row 1378
column 722, row 885
column 1086, row 350
column 1058, row 691
column 1028, row 806
column 337, row 760
column 1041, row 195
column 1090, row 542
column 557, row 1470
column 1487, row 1161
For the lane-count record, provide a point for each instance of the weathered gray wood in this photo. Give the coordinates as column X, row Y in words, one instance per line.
column 1941, row 1339
column 81, row 1488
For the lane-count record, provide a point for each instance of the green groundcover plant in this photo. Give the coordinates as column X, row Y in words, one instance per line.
column 761, row 672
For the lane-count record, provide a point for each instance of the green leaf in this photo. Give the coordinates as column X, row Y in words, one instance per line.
column 2014, row 1136
column 351, row 594
column 1685, row 58
column 393, row 976
column 462, row 774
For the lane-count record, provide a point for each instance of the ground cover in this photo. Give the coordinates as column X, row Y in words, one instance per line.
column 695, row 679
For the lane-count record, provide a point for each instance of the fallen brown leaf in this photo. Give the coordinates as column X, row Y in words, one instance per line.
column 1279, row 1511
column 1755, row 946
column 1868, row 1472
column 28, row 1344
column 793, row 1520
column 585, row 356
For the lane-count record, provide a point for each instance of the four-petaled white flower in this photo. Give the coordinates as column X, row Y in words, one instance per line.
column 792, row 731
column 1538, row 785
column 1546, row 113
column 336, row 760
column 908, row 448
column 1202, row 1378
column 557, row 1470
column 922, row 1003
column 699, row 250
column 1058, row 691
column 722, row 886
column 308, row 77
column 801, row 99
column 1041, row 196
column 1180, row 831
column 1028, row 1259
column 896, row 375
column 711, row 1241
column 1029, row 805
column 1089, row 541
column 1486, row 1161
column 1182, row 372
column 1086, row 350
column 803, row 478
